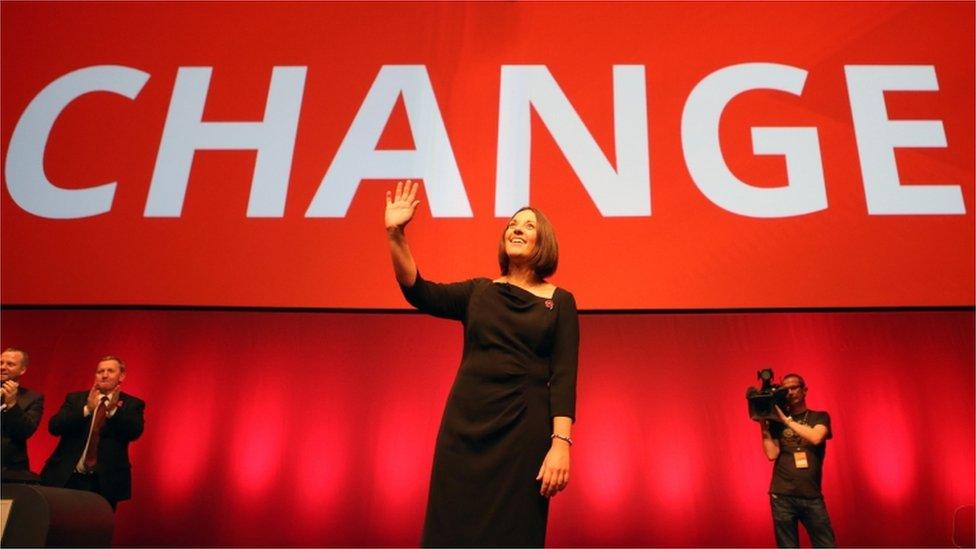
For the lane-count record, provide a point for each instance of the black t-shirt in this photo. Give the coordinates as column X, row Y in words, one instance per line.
column 788, row 479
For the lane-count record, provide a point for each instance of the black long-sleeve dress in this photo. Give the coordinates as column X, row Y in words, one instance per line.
column 517, row 372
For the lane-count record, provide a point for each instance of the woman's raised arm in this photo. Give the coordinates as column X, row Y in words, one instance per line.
column 400, row 208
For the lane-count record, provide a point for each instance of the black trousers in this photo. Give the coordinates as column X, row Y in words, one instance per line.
column 88, row 483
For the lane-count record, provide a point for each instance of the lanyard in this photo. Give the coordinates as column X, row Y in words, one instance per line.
column 799, row 439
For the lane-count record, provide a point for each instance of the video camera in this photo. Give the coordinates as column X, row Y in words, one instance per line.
column 761, row 401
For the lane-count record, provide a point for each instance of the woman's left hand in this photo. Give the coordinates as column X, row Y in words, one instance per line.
column 554, row 472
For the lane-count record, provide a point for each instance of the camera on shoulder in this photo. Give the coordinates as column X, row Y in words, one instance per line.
column 762, row 400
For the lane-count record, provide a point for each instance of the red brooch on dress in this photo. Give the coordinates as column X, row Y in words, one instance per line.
column 549, row 304
column 118, row 404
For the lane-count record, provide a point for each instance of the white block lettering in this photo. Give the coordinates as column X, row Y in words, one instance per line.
column 805, row 191
column 432, row 159
column 186, row 133
column 28, row 185
column 877, row 138
column 625, row 191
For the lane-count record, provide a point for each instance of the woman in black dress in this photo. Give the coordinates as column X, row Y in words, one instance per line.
column 504, row 442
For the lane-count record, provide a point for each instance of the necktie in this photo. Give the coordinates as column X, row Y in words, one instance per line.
column 91, row 455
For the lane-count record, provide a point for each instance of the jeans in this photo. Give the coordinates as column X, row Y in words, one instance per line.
column 812, row 512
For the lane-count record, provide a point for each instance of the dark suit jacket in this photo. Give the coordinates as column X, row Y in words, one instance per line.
column 18, row 424
column 113, row 467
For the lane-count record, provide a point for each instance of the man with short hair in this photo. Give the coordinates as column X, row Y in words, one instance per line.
column 22, row 411
column 96, row 427
column 798, row 443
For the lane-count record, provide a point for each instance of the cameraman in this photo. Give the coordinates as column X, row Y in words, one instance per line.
column 797, row 443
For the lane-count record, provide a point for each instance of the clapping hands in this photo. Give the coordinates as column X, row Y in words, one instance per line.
column 9, row 392
column 95, row 398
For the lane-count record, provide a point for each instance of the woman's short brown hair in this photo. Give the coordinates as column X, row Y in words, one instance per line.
column 545, row 256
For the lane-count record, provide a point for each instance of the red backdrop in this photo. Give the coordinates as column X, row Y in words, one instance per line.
column 317, row 428
column 281, row 428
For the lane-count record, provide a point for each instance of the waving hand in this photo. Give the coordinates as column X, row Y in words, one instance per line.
column 400, row 206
